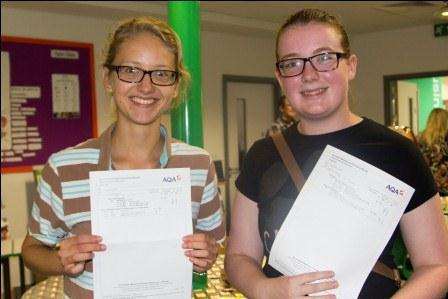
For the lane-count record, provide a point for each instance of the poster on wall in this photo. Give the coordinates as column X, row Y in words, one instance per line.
column 6, row 115
column 48, row 99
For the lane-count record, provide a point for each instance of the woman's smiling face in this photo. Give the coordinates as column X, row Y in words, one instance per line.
column 315, row 95
column 142, row 103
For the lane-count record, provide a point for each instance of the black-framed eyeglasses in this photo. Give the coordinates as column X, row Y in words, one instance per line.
column 323, row 62
column 132, row 74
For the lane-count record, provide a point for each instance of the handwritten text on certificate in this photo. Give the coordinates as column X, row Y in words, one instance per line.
column 142, row 216
column 342, row 219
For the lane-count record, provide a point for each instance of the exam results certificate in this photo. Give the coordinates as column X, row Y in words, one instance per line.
column 142, row 216
column 341, row 220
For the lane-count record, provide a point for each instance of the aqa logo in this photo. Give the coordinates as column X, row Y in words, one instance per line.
column 171, row 179
column 394, row 190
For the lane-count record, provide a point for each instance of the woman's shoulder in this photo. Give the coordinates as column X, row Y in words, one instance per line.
column 261, row 155
column 381, row 133
column 87, row 151
column 263, row 147
column 179, row 148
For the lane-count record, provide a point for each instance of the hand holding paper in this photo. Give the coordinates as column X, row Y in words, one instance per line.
column 142, row 216
column 202, row 251
column 298, row 286
column 75, row 251
column 342, row 219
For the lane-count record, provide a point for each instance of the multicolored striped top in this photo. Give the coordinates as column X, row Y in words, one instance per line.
column 61, row 207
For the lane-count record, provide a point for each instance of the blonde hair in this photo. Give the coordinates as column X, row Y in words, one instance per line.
column 128, row 28
column 436, row 126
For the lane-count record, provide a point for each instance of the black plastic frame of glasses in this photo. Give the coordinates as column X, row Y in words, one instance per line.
column 117, row 67
column 339, row 55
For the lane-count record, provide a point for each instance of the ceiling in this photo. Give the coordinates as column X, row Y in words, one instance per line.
column 260, row 18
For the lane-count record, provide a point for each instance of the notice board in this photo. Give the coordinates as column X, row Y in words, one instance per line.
column 47, row 99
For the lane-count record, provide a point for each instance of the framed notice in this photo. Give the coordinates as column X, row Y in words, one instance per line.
column 47, row 99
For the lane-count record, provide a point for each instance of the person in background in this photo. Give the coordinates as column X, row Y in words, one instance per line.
column 286, row 118
column 314, row 67
column 144, row 75
column 434, row 146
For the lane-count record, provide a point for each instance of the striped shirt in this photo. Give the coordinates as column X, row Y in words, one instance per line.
column 61, row 207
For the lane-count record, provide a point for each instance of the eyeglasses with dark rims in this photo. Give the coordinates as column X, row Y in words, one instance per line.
column 132, row 74
column 323, row 62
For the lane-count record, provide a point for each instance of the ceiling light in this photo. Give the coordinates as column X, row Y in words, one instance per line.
column 444, row 10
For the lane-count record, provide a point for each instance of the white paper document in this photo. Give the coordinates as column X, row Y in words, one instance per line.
column 142, row 216
column 65, row 95
column 342, row 219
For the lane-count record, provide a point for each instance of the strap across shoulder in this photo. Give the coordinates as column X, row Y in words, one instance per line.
column 288, row 160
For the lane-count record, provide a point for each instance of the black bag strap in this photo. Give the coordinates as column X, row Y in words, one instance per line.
column 296, row 174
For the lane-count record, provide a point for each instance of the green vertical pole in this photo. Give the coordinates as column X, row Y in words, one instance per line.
column 186, row 119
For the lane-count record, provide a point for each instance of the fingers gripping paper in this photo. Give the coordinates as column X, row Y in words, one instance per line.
column 341, row 220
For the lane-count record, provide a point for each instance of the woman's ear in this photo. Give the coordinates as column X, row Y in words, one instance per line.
column 352, row 63
column 176, row 89
column 279, row 80
column 107, row 81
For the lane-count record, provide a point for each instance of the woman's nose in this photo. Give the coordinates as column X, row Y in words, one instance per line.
column 146, row 84
column 309, row 72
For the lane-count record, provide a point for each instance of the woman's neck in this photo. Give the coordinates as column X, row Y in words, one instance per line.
column 136, row 147
column 329, row 125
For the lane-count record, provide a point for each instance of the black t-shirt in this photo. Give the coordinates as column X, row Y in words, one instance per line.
column 265, row 180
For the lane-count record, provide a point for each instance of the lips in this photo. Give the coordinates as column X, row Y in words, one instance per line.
column 143, row 101
column 313, row 92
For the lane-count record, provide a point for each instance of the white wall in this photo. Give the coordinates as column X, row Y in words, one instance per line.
column 232, row 55
column 405, row 51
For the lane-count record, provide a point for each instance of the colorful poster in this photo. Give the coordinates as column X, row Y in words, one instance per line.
column 48, row 99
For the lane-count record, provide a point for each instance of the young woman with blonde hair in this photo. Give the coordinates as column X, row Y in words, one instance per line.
column 434, row 146
column 144, row 75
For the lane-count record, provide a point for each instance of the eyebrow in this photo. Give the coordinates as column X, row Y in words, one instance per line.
column 318, row 50
column 138, row 65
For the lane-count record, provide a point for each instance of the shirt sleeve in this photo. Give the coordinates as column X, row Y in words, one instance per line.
column 248, row 181
column 46, row 221
column 422, row 180
column 210, row 217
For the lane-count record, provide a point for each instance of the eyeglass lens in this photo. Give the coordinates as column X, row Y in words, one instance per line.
column 135, row 75
column 322, row 63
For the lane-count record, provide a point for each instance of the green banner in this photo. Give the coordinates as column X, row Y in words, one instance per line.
column 429, row 97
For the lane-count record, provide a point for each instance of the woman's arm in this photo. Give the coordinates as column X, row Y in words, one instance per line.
column 244, row 257
column 69, row 258
column 202, row 246
column 244, row 252
column 426, row 238
column 40, row 257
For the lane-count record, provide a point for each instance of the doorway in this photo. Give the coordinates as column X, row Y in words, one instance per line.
column 409, row 98
column 248, row 110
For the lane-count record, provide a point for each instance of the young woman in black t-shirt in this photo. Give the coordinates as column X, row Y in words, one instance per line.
column 314, row 68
